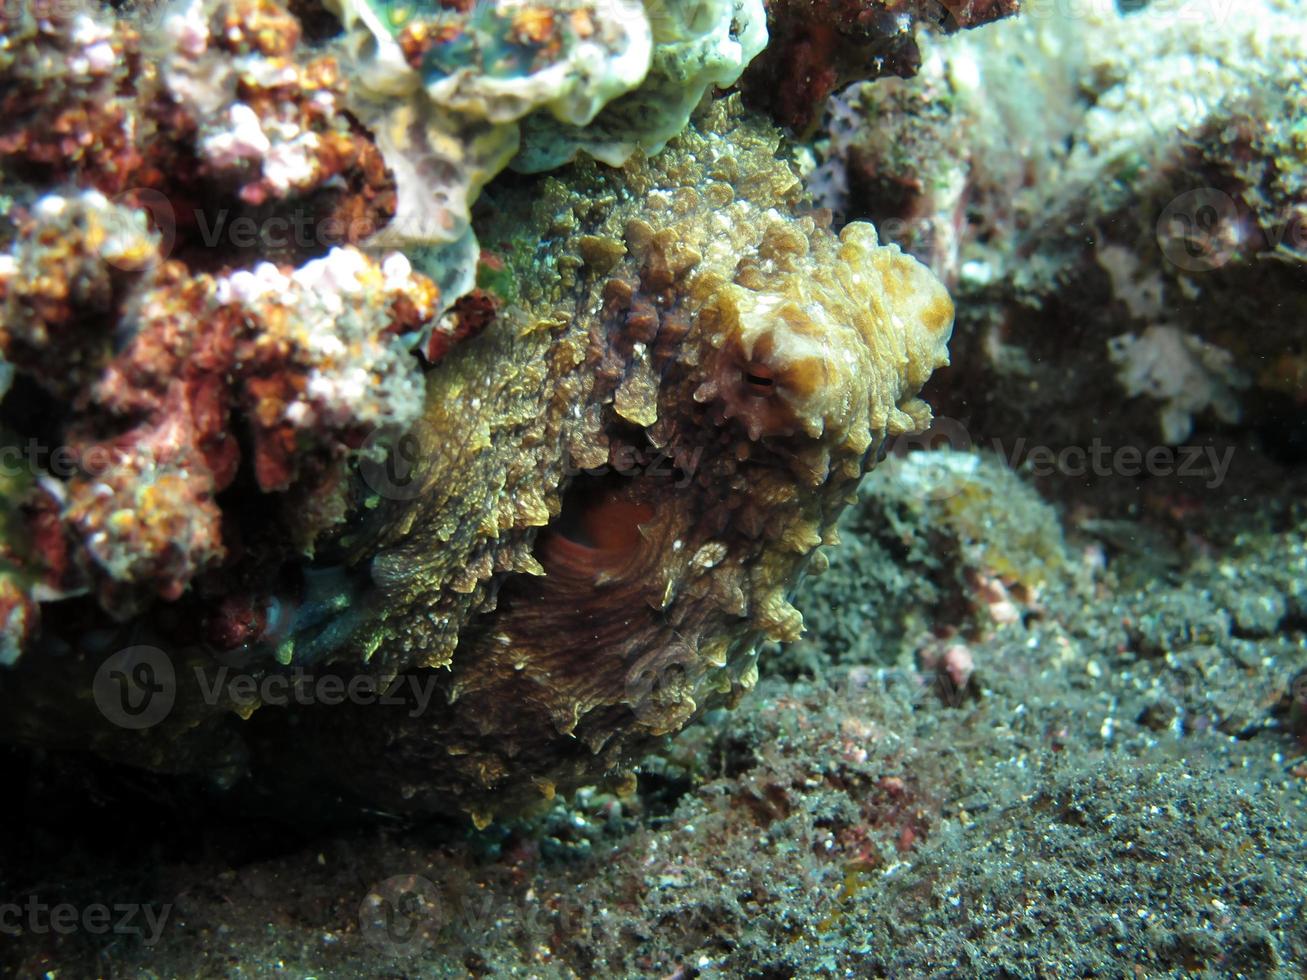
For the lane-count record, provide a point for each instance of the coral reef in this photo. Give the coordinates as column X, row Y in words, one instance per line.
column 823, row 45
column 193, row 349
column 576, row 527
column 152, row 362
column 233, row 126
column 417, row 443
column 1154, row 157
column 455, row 94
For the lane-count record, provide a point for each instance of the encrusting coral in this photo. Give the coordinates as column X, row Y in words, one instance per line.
column 184, row 319
column 199, row 113
column 455, row 92
column 311, row 358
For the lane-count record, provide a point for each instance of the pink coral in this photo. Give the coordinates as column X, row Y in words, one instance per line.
column 304, row 362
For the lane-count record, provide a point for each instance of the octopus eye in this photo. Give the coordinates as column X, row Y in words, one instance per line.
column 759, row 380
column 599, row 528
column 612, row 524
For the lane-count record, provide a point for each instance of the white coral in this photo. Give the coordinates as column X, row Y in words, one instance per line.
column 359, row 374
column 1186, row 374
column 624, row 77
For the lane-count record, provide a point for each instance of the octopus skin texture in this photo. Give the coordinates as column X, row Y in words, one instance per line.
column 620, row 482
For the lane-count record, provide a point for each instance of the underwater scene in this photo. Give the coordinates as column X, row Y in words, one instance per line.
column 660, row 489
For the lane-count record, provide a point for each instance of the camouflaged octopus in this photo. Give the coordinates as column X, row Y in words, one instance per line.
column 616, row 487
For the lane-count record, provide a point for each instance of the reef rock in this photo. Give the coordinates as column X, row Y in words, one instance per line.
column 1118, row 200
column 821, row 46
column 454, row 92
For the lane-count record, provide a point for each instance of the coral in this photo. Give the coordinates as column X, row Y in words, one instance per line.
column 232, row 124
column 295, row 538
column 264, row 118
column 454, row 94
column 19, row 618
column 74, row 257
column 824, row 45
column 327, row 367
column 194, row 351
column 1152, row 157
column 696, row 44
column 444, row 91
column 66, row 96
column 1184, row 373
column 153, row 361
column 149, row 524
column 994, row 524
column 667, row 319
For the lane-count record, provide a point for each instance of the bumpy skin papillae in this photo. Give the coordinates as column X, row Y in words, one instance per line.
column 620, row 482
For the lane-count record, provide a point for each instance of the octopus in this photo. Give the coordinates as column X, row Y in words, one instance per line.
column 602, row 514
